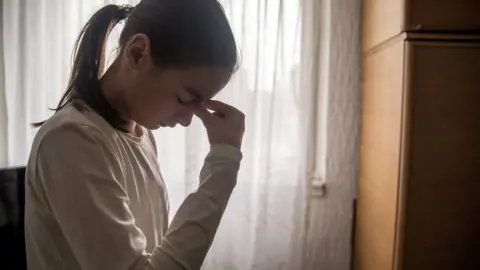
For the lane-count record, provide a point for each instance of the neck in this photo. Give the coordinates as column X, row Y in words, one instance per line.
column 114, row 93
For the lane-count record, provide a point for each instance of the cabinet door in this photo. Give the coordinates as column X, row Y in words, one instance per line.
column 442, row 173
column 444, row 15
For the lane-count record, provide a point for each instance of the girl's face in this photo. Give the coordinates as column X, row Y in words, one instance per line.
column 156, row 97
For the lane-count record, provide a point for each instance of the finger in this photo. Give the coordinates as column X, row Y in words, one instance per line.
column 218, row 106
column 200, row 111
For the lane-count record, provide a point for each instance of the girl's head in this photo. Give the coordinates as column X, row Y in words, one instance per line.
column 171, row 53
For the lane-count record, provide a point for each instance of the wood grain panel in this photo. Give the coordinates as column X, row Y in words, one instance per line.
column 442, row 15
column 443, row 191
column 382, row 20
column 379, row 158
column 385, row 19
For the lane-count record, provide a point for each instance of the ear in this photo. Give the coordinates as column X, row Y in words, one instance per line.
column 137, row 52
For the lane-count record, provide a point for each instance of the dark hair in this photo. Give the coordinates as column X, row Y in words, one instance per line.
column 182, row 33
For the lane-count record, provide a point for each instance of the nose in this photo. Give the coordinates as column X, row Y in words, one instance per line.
column 185, row 118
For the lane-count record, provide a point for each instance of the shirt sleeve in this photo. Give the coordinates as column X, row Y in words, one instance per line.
column 194, row 225
column 82, row 179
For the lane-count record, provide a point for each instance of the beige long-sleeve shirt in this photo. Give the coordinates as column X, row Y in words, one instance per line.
column 95, row 200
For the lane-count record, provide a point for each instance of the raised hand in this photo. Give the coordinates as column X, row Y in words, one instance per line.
column 225, row 124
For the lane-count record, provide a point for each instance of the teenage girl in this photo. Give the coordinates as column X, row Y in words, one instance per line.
column 95, row 195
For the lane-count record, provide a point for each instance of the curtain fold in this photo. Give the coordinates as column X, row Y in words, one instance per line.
column 263, row 226
column 3, row 104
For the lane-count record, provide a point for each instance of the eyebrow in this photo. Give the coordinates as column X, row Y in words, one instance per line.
column 195, row 93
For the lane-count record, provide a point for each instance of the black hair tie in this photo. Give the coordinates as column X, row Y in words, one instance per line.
column 124, row 11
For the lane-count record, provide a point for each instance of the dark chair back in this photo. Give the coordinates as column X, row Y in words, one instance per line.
column 12, row 212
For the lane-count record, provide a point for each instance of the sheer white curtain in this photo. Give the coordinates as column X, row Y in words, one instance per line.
column 263, row 224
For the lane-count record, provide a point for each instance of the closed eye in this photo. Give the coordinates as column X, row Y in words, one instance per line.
column 194, row 93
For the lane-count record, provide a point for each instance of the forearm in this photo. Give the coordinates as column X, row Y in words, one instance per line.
column 194, row 226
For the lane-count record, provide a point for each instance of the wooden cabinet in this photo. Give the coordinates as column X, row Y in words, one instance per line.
column 419, row 157
column 419, row 179
column 384, row 19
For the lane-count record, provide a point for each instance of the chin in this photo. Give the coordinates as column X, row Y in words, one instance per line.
column 161, row 125
column 170, row 125
column 151, row 126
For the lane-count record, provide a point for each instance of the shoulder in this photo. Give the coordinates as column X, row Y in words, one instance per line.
column 75, row 141
column 73, row 128
column 75, row 119
column 73, row 149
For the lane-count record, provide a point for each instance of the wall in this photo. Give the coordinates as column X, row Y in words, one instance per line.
column 329, row 224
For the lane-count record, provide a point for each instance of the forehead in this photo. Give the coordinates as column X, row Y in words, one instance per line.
column 206, row 81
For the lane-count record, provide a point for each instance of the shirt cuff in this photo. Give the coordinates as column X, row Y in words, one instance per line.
column 225, row 151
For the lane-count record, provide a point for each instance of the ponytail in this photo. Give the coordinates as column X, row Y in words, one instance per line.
column 88, row 64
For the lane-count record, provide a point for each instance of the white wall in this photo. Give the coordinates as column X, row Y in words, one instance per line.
column 329, row 224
